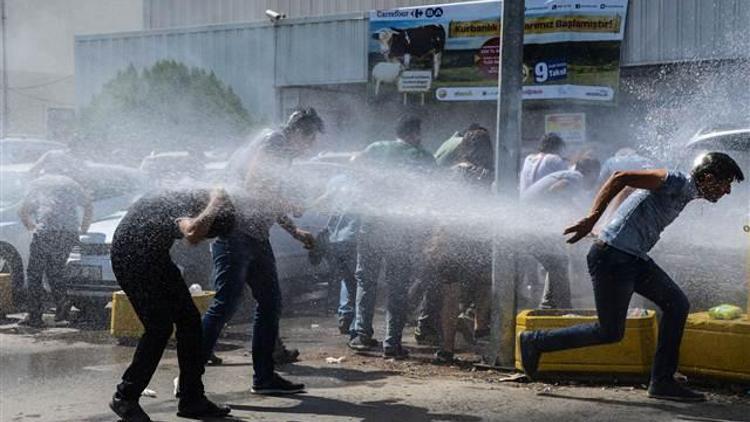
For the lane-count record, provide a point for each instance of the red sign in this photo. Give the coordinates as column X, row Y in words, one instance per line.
column 488, row 57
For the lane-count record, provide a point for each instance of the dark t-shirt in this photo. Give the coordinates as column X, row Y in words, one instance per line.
column 149, row 226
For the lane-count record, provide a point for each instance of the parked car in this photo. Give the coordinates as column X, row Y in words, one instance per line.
column 25, row 150
column 92, row 282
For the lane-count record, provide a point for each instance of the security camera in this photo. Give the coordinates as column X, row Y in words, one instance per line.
column 275, row 16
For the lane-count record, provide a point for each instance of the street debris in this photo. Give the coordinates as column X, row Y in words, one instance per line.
column 335, row 360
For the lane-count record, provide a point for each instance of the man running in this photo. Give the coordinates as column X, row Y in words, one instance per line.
column 619, row 265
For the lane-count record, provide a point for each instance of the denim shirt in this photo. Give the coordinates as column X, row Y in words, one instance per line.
column 637, row 224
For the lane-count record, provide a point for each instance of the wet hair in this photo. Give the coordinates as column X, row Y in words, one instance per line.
column 588, row 165
column 720, row 165
column 551, row 143
column 305, row 121
column 408, row 125
column 476, row 148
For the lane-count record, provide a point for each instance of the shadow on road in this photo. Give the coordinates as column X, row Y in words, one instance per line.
column 697, row 411
column 343, row 374
column 381, row 410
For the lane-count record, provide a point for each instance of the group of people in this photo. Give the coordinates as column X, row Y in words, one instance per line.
column 445, row 268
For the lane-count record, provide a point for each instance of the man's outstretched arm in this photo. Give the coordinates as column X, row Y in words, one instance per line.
column 641, row 179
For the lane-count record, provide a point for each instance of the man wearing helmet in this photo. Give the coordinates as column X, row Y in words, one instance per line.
column 619, row 265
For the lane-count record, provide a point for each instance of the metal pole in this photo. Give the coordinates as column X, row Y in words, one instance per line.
column 4, row 118
column 507, row 151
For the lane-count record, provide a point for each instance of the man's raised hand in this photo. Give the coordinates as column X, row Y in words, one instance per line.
column 581, row 229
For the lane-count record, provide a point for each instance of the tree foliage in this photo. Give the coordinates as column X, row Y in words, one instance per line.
column 165, row 107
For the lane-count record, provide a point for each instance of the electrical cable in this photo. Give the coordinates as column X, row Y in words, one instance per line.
column 52, row 82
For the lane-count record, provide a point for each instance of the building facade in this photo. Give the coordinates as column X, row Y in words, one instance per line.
column 39, row 59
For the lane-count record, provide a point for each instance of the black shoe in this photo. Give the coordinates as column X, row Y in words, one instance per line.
column 201, row 408
column 128, row 410
column 284, row 356
column 214, row 360
column 529, row 354
column 362, row 344
column 671, row 390
column 397, row 353
column 443, row 357
column 34, row 321
column 278, row 385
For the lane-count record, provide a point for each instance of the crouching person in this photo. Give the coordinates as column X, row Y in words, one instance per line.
column 620, row 266
column 160, row 297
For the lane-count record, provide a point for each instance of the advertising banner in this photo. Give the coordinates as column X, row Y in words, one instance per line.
column 570, row 126
column 571, row 49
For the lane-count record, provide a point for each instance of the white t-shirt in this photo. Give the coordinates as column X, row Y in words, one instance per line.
column 538, row 165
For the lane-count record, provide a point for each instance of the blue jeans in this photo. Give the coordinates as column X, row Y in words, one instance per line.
column 240, row 259
column 615, row 276
column 371, row 251
column 343, row 261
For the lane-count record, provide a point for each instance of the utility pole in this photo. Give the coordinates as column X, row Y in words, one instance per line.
column 4, row 108
column 507, row 151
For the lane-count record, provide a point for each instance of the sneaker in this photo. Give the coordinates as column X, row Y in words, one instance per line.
column 34, row 321
column 128, row 410
column 278, row 385
column 443, row 357
column 201, row 408
column 284, row 356
column 214, row 360
column 361, row 344
column 529, row 354
column 397, row 353
column 671, row 390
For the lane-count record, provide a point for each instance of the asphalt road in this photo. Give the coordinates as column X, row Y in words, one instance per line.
column 65, row 374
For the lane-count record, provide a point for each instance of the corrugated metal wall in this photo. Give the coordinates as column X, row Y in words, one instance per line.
column 315, row 52
column 159, row 14
column 661, row 31
column 241, row 55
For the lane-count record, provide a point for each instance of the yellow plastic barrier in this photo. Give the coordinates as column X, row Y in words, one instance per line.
column 716, row 348
column 6, row 294
column 632, row 355
column 125, row 323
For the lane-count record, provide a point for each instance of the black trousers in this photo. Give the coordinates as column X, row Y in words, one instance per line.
column 48, row 253
column 161, row 300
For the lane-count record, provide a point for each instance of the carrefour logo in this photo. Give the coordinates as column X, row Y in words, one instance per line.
column 429, row 12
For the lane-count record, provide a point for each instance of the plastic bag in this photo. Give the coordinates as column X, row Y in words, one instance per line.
column 725, row 311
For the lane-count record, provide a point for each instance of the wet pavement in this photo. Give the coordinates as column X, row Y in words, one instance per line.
column 68, row 374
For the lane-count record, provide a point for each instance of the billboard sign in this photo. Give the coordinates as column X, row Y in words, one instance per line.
column 571, row 49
